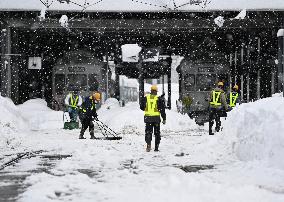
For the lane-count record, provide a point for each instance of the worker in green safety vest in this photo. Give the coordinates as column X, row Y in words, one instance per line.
column 154, row 108
column 217, row 107
column 233, row 97
column 73, row 101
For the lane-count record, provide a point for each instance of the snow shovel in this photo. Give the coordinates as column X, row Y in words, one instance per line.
column 108, row 133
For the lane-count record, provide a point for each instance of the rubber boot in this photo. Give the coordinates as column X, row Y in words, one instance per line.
column 81, row 136
column 217, row 129
column 92, row 136
column 156, row 147
column 148, row 148
column 210, row 131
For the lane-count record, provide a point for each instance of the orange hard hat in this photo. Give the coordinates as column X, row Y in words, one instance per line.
column 154, row 88
column 97, row 96
column 236, row 87
column 220, row 83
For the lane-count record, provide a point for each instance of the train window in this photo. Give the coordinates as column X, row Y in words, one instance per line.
column 205, row 82
column 189, row 82
column 205, row 69
column 93, row 81
column 59, row 83
column 76, row 69
column 77, row 81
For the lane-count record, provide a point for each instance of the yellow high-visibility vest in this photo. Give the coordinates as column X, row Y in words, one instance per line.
column 233, row 99
column 74, row 103
column 152, row 106
column 93, row 105
column 216, row 99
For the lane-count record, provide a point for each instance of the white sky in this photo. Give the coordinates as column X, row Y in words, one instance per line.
column 147, row 5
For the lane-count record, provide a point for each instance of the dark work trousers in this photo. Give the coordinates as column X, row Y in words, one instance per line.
column 149, row 130
column 85, row 124
column 214, row 114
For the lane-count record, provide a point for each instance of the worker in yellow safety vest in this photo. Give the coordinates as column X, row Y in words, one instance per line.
column 233, row 97
column 154, row 108
column 217, row 107
column 88, row 113
column 73, row 101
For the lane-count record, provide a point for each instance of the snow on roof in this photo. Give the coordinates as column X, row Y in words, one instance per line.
column 139, row 5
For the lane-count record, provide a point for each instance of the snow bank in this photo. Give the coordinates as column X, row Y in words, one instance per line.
column 39, row 116
column 109, row 104
column 17, row 122
column 257, row 131
column 130, row 116
column 11, row 124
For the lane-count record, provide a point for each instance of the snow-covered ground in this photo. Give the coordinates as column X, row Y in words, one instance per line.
column 247, row 155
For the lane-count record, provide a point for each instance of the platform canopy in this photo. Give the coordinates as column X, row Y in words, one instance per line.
column 141, row 5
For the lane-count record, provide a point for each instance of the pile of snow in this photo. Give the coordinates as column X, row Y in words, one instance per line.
column 39, row 116
column 11, row 124
column 109, row 104
column 130, row 116
column 17, row 122
column 257, row 131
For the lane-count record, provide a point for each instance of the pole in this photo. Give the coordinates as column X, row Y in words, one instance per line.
column 280, row 35
column 163, row 81
column 107, row 75
column 258, row 84
column 242, row 87
column 141, row 79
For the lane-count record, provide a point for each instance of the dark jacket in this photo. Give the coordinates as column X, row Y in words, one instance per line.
column 161, row 107
column 88, row 109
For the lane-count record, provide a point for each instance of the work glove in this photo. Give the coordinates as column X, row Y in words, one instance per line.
column 164, row 122
column 95, row 118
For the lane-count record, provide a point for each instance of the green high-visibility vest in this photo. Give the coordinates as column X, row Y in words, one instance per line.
column 152, row 106
column 216, row 99
column 233, row 99
column 74, row 102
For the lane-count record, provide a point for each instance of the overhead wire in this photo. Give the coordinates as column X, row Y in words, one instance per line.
column 203, row 5
column 151, row 4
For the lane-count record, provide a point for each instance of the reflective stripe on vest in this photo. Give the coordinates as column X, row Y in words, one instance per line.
column 216, row 100
column 152, row 106
column 93, row 105
column 233, row 99
column 74, row 103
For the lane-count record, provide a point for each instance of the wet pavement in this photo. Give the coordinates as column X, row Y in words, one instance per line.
column 12, row 176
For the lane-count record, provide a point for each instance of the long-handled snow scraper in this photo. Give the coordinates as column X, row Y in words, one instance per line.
column 107, row 132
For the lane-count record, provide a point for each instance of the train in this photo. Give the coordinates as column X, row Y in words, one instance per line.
column 82, row 71
column 196, row 80
column 77, row 70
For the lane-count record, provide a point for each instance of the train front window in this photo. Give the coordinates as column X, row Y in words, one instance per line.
column 59, row 83
column 77, row 81
column 189, row 82
column 205, row 82
column 93, row 82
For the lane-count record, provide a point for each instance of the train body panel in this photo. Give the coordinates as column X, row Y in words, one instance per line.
column 197, row 79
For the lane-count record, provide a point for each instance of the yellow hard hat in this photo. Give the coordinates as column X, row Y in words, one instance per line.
column 154, row 88
column 97, row 96
column 236, row 87
column 220, row 83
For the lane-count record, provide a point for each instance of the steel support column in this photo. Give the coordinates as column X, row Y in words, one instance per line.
column 280, row 35
column 141, row 79
column 6, row 62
